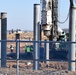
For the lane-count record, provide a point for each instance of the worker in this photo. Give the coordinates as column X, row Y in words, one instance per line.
column 11, row 48
column 42, row 52
column 28, row 51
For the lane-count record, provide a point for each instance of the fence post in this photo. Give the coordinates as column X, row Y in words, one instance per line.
column 47, row 51
column 17, row 52
column 3, row 35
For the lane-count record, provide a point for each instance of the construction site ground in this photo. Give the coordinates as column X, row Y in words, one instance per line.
column 52, row 68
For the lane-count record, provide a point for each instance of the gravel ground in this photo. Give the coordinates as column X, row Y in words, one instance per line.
column 52, row 68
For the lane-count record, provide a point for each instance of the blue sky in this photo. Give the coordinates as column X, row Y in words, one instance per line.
column 20, row 13
column 63, row 13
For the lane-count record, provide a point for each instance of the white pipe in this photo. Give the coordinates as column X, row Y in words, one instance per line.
column 36, row 37
column 72, row 38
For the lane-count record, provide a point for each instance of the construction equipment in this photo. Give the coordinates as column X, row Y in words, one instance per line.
column 49, row 16
column 46, row 16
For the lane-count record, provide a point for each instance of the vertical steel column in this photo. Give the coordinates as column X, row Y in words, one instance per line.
column 3, row 37
column 39, row 43
column 36, row 23
column 0, row 39
column 18, row 49
column 47, row 51
column 72, row 36
column 40, row 33
column 17, row 52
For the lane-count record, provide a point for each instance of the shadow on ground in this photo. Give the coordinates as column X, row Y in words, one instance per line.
column 59, row 55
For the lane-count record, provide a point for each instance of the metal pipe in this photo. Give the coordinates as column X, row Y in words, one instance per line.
column 36, row 23
column 3, row 37
column 17, row 52
column 72, row 36
column 47, row 51
column 0, row 41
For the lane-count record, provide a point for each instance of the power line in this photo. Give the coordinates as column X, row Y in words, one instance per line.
column 64, row 20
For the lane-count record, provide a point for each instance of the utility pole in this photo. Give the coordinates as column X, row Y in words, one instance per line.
column 72, row 33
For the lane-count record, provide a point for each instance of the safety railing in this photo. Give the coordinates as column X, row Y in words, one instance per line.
column 38, row 44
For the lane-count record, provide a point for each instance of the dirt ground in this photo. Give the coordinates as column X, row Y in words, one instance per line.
column 52, row 68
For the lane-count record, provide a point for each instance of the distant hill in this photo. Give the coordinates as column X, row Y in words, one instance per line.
column 23, row 35
column 66, row 30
